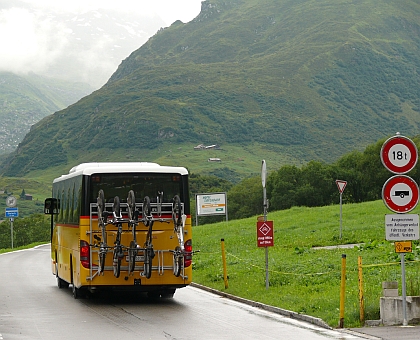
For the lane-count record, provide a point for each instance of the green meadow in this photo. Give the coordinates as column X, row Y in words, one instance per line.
column 304, row 276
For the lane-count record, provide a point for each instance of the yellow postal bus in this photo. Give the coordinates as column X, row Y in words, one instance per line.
column 121, row 226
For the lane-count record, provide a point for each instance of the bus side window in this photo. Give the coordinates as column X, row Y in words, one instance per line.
column 51, row 206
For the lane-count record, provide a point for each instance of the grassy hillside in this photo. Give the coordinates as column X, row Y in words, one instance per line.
column 302, row 277
column 26, row 99
column 290, row 81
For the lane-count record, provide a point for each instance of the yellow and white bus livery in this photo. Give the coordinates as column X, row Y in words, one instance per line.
column 121, row 226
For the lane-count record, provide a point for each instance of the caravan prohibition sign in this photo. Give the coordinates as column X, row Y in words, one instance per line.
column 400, row 194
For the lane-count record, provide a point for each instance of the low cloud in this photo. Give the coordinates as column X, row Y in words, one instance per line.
column 81, row 40
column 30, row 42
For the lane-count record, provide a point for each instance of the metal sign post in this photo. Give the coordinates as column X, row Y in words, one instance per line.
column 11, row 230
column 263, row 180
column 404, row 294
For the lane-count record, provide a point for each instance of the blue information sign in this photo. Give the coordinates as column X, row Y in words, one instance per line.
column 12, row 212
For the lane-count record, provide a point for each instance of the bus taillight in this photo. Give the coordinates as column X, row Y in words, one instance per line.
column 84, row 254
column 188, row 253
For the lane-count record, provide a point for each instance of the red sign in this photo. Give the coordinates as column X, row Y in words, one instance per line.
column 400, row 194
column 265, row 234
column 341, row 185
column 399, row 154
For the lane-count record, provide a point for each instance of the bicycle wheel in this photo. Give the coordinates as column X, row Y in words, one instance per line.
column 132, row 253
column 131, row 202
column 100, row 201
column 176, row 211
column 102, row 255
column 148, row 257
column 177, row 261
column 146, row 211
column 117, row 262
column 116, row 206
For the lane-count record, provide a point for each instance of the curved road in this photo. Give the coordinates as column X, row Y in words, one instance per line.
column 32, row 307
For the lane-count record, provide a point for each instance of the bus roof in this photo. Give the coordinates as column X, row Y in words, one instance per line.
column 120, row 167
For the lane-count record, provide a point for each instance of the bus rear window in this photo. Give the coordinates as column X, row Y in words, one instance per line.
column 142, row 185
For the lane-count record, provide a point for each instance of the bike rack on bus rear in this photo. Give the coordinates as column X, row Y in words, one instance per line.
column 160, row 213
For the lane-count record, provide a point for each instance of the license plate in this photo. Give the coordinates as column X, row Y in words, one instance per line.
column 139, row 258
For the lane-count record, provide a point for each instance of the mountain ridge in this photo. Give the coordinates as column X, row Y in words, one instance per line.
column 314, row 79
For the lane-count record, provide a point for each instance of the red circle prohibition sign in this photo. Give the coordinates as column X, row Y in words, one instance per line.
column 399, row 154
column 400, row 194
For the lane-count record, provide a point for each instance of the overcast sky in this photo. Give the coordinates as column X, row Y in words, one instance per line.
column 30, row 41
column 168, row 10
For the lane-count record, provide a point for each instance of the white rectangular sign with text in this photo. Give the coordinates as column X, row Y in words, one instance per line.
column 211, row 204
column 402, row 227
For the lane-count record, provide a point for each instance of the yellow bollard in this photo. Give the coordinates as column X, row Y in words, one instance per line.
column 342, row 289
column 361, row 291
column 225, row 278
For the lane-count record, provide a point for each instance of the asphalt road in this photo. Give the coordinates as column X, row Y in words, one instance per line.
column 32, row 307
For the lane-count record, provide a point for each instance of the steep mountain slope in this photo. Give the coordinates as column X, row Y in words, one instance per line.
column 308, row 79
column 25, row 100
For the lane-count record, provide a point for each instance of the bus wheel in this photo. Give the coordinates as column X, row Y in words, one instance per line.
column 76, row 292
column 167, row 293
column 60, row 282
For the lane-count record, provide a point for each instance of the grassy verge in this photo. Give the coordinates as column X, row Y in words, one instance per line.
column 304, row 279
column 28, row 246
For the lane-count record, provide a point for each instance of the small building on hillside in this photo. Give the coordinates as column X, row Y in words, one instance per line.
column 199, row 147
column 207, row 147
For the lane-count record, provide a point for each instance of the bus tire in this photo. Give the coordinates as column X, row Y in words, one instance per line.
column 76, row 292
column 60, row 282
column 167, row 293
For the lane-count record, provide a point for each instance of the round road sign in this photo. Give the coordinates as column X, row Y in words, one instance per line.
column 400, row 194
column 11, row 201
column 399, row 154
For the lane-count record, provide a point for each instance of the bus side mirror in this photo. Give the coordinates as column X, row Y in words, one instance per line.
column 51, row 206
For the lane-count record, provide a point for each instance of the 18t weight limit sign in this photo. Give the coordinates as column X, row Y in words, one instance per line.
column 399, row 154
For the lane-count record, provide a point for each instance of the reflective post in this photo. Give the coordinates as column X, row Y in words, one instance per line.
column 342, row 289
column 225, row 277
column 11, row 230
column 361, row 291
